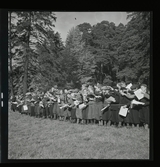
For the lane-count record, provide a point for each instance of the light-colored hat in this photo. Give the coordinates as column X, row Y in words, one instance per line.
column 76, row 90
column 28, row 93
column 104, row 88
column 32, row 99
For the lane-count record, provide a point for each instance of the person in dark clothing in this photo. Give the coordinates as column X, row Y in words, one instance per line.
column 79, row 98
column 106, row 113
column 91, row 104
column 20, row 104
column 115, row 107
column 55, row 106
column 40, row 109
column 91, row 108
column 50, row 106
column 67, row 110
column 25, row 108
column 144, row 110
column 85, row 109
column 126, row 98
column 98, row 106
column 32, row 107
column 72, row 109
column 36, row 101
column 28, row 98
column 134, row 110
column 13, row 103
column 61, row 104
column 45, row 110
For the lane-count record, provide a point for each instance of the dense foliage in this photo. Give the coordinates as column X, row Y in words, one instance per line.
column 103, row 53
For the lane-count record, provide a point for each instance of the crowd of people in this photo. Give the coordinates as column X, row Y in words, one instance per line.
column 119, row 106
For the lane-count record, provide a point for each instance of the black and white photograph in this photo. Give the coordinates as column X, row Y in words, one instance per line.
column 79, row 85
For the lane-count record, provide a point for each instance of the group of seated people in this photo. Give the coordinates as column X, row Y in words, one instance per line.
column 119, row 106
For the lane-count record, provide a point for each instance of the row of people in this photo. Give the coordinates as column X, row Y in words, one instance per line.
column 92, row 104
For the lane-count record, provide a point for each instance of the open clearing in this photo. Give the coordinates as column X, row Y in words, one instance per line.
column 36, row 138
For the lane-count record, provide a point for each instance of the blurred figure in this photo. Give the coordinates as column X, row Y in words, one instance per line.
column 13, row 103
column 144, row 110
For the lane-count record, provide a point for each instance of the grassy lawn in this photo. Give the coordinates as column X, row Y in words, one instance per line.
column 36, row 138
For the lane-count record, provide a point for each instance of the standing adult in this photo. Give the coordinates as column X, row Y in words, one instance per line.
column 40, row 109
column 28, row 103
column 55, row 107
column 144, row 110
column 45, row 104
column 91, row 104
column 72, row 108
column 134, row 109
column 106, row 112
column 13, row 103
column 79, row 98
column 98, row 106
column 20, row 103
column 32, row 107
column 85, row 93
column 115, row 107
column 36, row 103
column 126, row 98
column 67, row 109
column 50, row 106
column 61, row 104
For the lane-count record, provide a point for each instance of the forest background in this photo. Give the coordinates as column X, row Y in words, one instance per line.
column 104, row 53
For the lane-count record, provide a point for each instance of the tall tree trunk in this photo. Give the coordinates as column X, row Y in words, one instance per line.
column 101, row 72
column 10, row 55
column 117, row 80
column 25, row 75
column 11, row 77
column 101, row 68
column 25, row 79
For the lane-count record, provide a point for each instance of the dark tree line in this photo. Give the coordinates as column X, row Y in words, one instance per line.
column 103, row 53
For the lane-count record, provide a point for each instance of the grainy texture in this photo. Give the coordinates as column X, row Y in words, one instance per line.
column 36, row 138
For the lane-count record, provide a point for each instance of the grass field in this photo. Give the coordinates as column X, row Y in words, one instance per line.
column 36, row 138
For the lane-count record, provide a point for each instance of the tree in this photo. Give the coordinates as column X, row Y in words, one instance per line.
column 74, row 50
column 103, row 53
column 134, row 51
column 103, row 49
column 10, row 55
column 49, row 60
column 86, row 29
column 31, row 27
